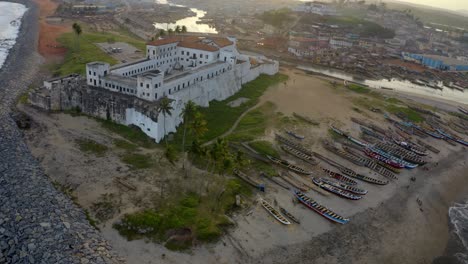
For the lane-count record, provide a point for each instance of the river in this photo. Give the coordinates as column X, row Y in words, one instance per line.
column 10, row 21
column 189, row 22
column 397, row 85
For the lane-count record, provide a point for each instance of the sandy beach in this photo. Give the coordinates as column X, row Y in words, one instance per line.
column 386, row 226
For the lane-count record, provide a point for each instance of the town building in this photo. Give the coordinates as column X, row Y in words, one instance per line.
column 179, row 68
column 437, row 62
column 316, row 7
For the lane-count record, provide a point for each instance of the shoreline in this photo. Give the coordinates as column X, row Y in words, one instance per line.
column 394, row 232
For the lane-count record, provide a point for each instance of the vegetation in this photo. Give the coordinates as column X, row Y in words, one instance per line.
column 77, row 29
column 91, row 146
column 202, row 215
column 83, row 49
column 358, row 88
column 254, row 123
column 124, row 144
column 264, row 148
column 137, row 161
column 411, row 114
column 131, row 133
column 277, row 18
column 218, row 124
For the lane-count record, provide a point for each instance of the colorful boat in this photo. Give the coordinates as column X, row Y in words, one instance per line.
column 340, row 177
column 383, row 159
column 400, row 152
column 384, row 154
column 453, row 137
column 289, row 215
column 320, row 209
column 344, row 187
column 288, row 165
column 410, row 146
column 277, row 215
column 335, row 190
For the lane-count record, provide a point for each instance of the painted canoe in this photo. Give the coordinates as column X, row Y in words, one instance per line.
column 319, row 209
column 335, row 190
column 342, row 178
column 277, row 215
column 343, row 186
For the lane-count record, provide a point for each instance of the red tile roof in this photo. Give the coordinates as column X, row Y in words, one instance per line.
column 222, row 42
column 197, row 45
column 193, row 42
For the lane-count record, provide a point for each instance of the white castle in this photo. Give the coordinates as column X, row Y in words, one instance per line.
column 181, row 68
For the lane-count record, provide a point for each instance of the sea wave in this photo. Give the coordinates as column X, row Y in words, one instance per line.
column 10, row 22
column 458, row 215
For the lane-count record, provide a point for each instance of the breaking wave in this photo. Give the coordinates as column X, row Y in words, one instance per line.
column 458, row 215
column 10, row 21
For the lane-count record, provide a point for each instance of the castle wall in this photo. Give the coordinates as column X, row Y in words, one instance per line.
column 131, row 110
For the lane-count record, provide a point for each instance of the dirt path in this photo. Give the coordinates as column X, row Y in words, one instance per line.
column 234, row 126
column 48, row 33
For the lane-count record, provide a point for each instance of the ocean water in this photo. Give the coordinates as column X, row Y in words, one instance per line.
column 10, row 21
column 458, row 215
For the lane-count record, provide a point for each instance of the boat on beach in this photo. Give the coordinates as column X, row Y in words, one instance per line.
column 277, row 215
column 294, row 135
column 298, row 154
column 340, row 177
column 289, row 215
column 410, row 146
column 320, row 209
column 392, row 158
column 400, row 152
column 335, row 190
column 388, row 161
column 292, row 144
column 288, row 165
column 344, row 187
column 249, row 180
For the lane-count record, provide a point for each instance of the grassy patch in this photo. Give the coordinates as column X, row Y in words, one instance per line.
column 411, row 114
column 254, row 123
column 137, row 161
column 220, row 123
column 204, row 216
column 124, row 144
column 91, row 146
column 131, row 133
column 83, row 50
column 358, row 88
column 264, row 147
column 393, row 100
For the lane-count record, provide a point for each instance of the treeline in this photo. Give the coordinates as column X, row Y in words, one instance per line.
column 277, row 18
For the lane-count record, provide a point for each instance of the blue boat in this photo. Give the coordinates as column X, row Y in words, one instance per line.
column 405, row 163
column 319, row 209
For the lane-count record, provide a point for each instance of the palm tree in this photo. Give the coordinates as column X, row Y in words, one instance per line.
column 170, row 31
column 177, row 29
column 77, row 29
column 162, row 32
column 198, row 126
column 187, row 114
column 184, row 29
column 166, row 109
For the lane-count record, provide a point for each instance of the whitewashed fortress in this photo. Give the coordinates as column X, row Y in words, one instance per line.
column 180, row 68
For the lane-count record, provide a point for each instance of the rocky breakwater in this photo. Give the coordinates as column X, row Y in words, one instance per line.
column 38, row 224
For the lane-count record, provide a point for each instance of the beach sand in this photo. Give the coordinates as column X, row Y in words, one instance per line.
column 386, row 226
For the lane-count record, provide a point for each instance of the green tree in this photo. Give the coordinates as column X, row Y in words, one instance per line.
column 188, row 113
column 77, row 29
column 178, row 29
column 198, row 126
column 166, row 109
column 184, row 29
column 170, row 31
column 162, row 32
